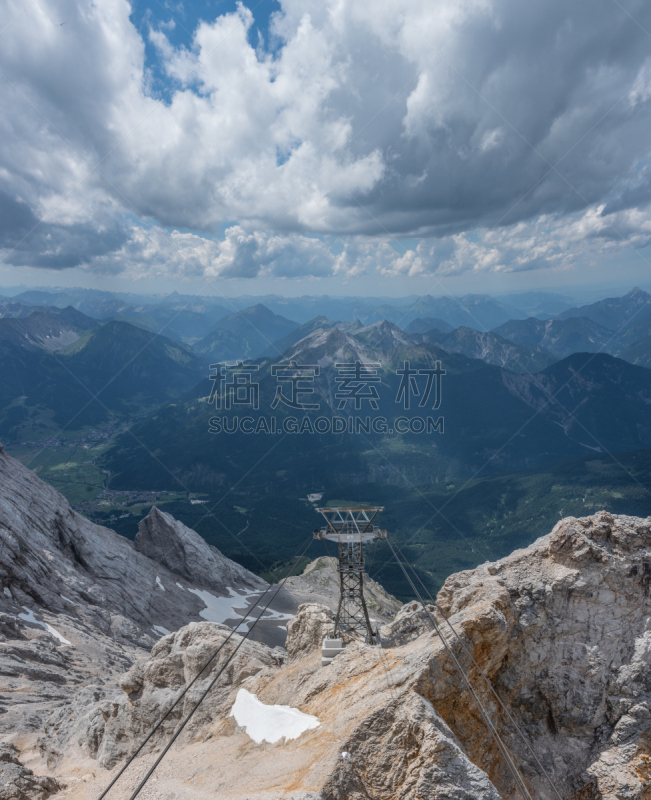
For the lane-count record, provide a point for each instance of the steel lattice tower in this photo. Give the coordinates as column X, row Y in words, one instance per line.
column 351, row 527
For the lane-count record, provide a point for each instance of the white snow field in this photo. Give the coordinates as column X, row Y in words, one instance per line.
column 28, row 616
column 264, row 723
column 219, row 609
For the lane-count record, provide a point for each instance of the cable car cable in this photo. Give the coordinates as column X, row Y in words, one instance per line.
column 210, row 686
column 492, row 730
column 481, row 672
column 187, row 688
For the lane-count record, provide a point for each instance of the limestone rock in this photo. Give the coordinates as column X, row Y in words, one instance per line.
column 78, row 603
column 406, row 751
column 169, row 542
column 151, row 686
column 562, row 632
column 17, row 782
column 319, row 583
column 306, row 631
column 409, row 623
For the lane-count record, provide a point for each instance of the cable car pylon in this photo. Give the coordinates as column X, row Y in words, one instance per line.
column 350, row 527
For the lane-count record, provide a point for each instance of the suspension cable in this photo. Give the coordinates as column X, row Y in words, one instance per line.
column 215, row 653
column 484, row 676
column 498, row 741
column 211, row 684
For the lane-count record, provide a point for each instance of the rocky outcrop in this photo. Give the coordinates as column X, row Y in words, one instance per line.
column 17, row 782
column 561, row 630
column 169, row 542
column 78, row 603
column 306, row 631
column 111, row 728
column 319, row 583
column 56, row 562
column 409, row 623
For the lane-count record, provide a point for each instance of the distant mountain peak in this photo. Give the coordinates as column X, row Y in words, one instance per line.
column 637, row 294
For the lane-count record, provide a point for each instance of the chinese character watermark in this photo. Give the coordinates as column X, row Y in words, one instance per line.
column 294, row 376
column 355, row 383
column 409, row 385
column 232, row 386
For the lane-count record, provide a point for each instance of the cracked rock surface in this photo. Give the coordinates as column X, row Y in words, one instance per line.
column 17, row 782
column 561, row 630
column 79, row 604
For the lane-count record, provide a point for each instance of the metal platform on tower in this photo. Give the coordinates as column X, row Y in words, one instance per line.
column 351, row 527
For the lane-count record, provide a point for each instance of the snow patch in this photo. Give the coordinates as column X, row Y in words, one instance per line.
column 219, row 609
column 161, row 630
column 8, row 593
column 159, row 583
column 28, row 616
column 67, row 599
column 279, row 615
column 264, row 723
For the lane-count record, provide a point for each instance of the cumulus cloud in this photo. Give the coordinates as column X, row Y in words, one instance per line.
column 490, row 130
column 553, row 242
column 157, row 251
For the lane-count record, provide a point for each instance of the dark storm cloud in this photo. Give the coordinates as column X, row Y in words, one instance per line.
column 28, row 242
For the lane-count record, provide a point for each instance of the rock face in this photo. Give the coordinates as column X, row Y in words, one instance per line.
column 110, row 730
column 409, row 623
column 306, row 631
column 319, row 583
column 169, row 542
column 19, row 783
column 78, row 603
column 562, row 631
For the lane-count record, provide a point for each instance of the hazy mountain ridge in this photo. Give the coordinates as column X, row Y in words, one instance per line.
column 560, row 336
column 616, row 313
column 487, row 412
column 164, row 369
column 318, row 323
column 50, row 329
column 492, row 349
column 426, row 324
column 639, row 353
column 131, row 369
column 245, row 334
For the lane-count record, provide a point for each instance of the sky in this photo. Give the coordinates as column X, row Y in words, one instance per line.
column 338, row 146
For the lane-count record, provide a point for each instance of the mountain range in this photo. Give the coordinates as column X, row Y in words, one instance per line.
column 560, row 336
column 494, row 420
column 493, row 349
column 65, row 353
column 63, row 369
column 616, row 313
column 245, row 334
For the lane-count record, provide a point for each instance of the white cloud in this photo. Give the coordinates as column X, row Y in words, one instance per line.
column 367, row 121
column 554, row 242
column 157, row 251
